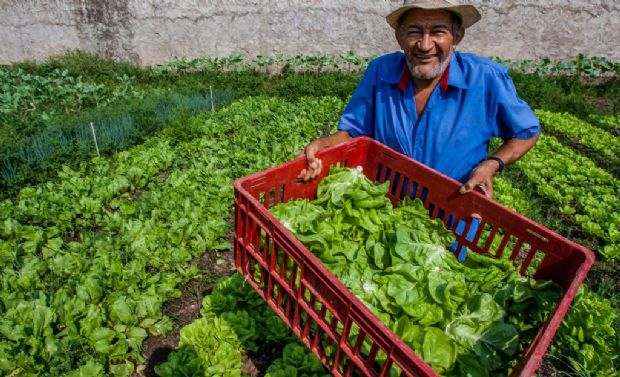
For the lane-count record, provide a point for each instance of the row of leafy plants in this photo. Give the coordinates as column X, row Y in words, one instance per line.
column 42, row 97
column 46, row 106
column 579, row 187
column 600, row 145
column 606, row 122
column 98, row 131
column 582, row 65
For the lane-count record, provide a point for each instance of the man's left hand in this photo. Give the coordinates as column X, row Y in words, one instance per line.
column 481, row 178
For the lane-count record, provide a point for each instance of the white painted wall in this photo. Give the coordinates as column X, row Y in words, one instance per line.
column 154, row 31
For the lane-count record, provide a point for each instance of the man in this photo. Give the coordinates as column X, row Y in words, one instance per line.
column 434, row 104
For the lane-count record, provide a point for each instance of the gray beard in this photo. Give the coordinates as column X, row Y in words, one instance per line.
column 438, row 71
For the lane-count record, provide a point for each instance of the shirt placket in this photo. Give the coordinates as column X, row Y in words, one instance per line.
column 410, row 117
column 421, row 124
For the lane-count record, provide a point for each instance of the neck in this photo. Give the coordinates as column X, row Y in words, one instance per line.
column 422, row 84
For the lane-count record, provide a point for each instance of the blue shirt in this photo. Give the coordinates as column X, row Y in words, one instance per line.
column 475, row 101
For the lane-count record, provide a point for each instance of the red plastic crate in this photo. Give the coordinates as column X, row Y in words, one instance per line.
column 318, row 307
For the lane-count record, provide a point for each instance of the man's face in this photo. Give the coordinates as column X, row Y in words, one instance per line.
column 427, row 40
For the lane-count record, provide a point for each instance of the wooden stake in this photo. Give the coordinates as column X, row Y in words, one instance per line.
column 212, row 104
column 92, row 128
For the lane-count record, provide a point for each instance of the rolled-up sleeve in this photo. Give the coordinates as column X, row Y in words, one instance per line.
column 358, row 116
column 514, row 117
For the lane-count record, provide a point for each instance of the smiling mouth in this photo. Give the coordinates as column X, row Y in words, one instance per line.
column 424, row 59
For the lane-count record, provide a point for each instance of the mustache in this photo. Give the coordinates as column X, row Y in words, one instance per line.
column 411, row 64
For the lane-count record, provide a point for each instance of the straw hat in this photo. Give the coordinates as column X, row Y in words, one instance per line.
column 468, row 13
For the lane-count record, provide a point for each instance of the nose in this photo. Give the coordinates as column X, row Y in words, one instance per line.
column 425, row 43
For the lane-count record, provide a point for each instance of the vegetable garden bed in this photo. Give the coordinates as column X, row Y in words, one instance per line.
column 156, row 209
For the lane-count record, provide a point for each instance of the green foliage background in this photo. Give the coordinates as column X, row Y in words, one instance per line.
column 67, row 210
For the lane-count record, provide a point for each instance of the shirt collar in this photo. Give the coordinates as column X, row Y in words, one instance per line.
column 452, row 76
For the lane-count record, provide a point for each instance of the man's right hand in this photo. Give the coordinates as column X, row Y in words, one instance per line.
column 314, row 165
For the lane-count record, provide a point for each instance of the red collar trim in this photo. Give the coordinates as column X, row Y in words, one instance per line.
column 405, row 79
column 443, row 82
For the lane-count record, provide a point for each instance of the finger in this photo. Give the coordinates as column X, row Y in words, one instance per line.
column 482, row 189
column 310, row 152
column 307, row 177
column 318, row 164
column 320, row 168
column 312, row 171
column 302, row 174
column 486, row 187
column 467, row 187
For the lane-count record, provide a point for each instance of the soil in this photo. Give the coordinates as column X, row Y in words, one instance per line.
column 185, row 309
column 604, row 276
column 546, row 369
column 603, row 105
column 256, row 363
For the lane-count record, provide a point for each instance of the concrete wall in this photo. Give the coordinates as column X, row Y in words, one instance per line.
column 154, row 31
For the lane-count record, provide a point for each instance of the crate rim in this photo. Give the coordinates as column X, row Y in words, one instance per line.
column 238, row 185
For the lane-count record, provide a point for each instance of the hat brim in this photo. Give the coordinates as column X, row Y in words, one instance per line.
column 468, row 13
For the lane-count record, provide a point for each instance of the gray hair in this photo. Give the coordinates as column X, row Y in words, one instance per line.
column 457, row 22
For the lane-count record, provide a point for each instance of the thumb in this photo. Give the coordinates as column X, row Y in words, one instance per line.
column 467, row 187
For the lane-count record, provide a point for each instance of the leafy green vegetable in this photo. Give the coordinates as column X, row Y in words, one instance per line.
column 216, row 344
column 90, row 369
column 244, row 326
column 183, row 362
column 587, row 339
column 296, row 361
column 459, row 317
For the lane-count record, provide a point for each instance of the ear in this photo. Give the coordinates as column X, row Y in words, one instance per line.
column 459, row 37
